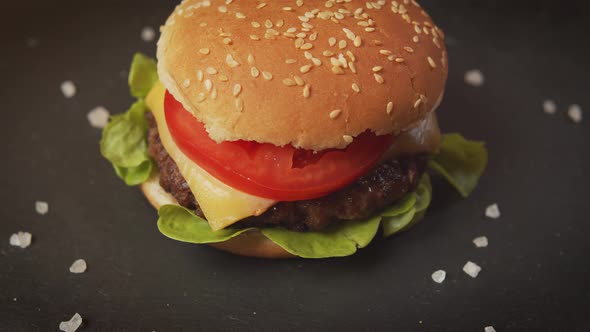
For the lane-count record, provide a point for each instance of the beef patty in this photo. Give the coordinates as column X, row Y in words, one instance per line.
column 382, row 186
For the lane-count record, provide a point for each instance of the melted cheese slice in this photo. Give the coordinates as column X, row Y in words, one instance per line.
column 221, row 204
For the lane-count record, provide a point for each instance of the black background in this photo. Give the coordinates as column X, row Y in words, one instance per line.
column 536, row 270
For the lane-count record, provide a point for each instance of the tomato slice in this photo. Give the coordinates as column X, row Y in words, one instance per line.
column 265, row 170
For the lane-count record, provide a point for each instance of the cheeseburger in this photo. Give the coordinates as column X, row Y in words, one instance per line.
column 290, row 128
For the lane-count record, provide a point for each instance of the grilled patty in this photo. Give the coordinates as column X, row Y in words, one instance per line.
column 382, row 186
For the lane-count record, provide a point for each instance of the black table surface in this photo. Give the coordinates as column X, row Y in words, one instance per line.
column 535, row 270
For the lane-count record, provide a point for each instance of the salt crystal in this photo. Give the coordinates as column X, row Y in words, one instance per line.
column 68, row 89
column 71, row 325
column 549, row 107
column 98, row 117
column 41, row 207
column 493, row 211
column 439, row 276
column 481, row 242
column 79, row 266
column 575, row 113
column 489, row 329
column 148, row 34
column 471, row 269
column 21, row 239
column 474, row 78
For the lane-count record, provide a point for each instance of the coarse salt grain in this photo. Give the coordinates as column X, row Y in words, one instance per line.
column 471, row 269
column 439, row 276
column 549, row 107
column 575, row 113
column 481, row 242
column 79, row 266
column 493, row 211
column 71, row 325
column 98, row 117
column 489, row 329
column 148, row 34
column 21, row 239
column 41, row 207
column 68, row 89
column 474, row 78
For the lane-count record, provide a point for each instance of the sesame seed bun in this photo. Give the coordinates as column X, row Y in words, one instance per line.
column 313, row 74
column 251, row 243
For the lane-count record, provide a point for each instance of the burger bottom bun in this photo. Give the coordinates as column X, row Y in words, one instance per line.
column 251, row 243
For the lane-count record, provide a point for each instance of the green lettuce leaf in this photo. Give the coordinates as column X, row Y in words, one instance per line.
column 460, row 161
column 180, row 224
column 336, row 241
column 344, row 239
column 408, row 214
column 142, row 76
column 134, row 176
column 124, row 139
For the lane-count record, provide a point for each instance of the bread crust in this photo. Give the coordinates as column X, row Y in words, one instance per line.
column 399, row 46
column 251, row 243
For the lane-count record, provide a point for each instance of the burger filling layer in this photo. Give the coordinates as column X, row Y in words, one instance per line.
column 383, row 185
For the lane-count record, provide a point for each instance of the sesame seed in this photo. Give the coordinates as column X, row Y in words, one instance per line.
column 255, row 24
column 261, row 5
column 351, row 56
column 201, row 97
column 205, row 51
column 306, row 46
column 416, row 39
column 280, row 23
column 377, row 69
column 200, row 75
column 400, row 60
column 385, row 52
column 239, row 104
column 370, row 29
column 186, row 83
column 304, row 69
column 222, row 9
column 313, row 36
column 299, row 42
column 417, row 103
column 348, row 138
column 254, row 72
column 250, row 59
column 408, row 49
column 306, row 91
column 356, row 88
column 352, row 67
column 223, row 78
column 327, row 53
column 291, row 30
column 431, row 62
column 288, row 9
column 342, row 44
column 203, row 24
column 240, row 15
column 229, row 59
column 268, row 24
column 208, row 85
column 298, row 80
column 317, row 62
column 337, row 70
column 334, row 114
column 290, row 61
column 289, row 82
column 214, row 94
column 237, row 89
column 332, row 41
column 211, row 71
column 299, row 3
column 267, row 75
column 357, row 41
column 254, row 37
column 417, row 29
column 389, row 107
column 349, row 34
column 378, row 78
